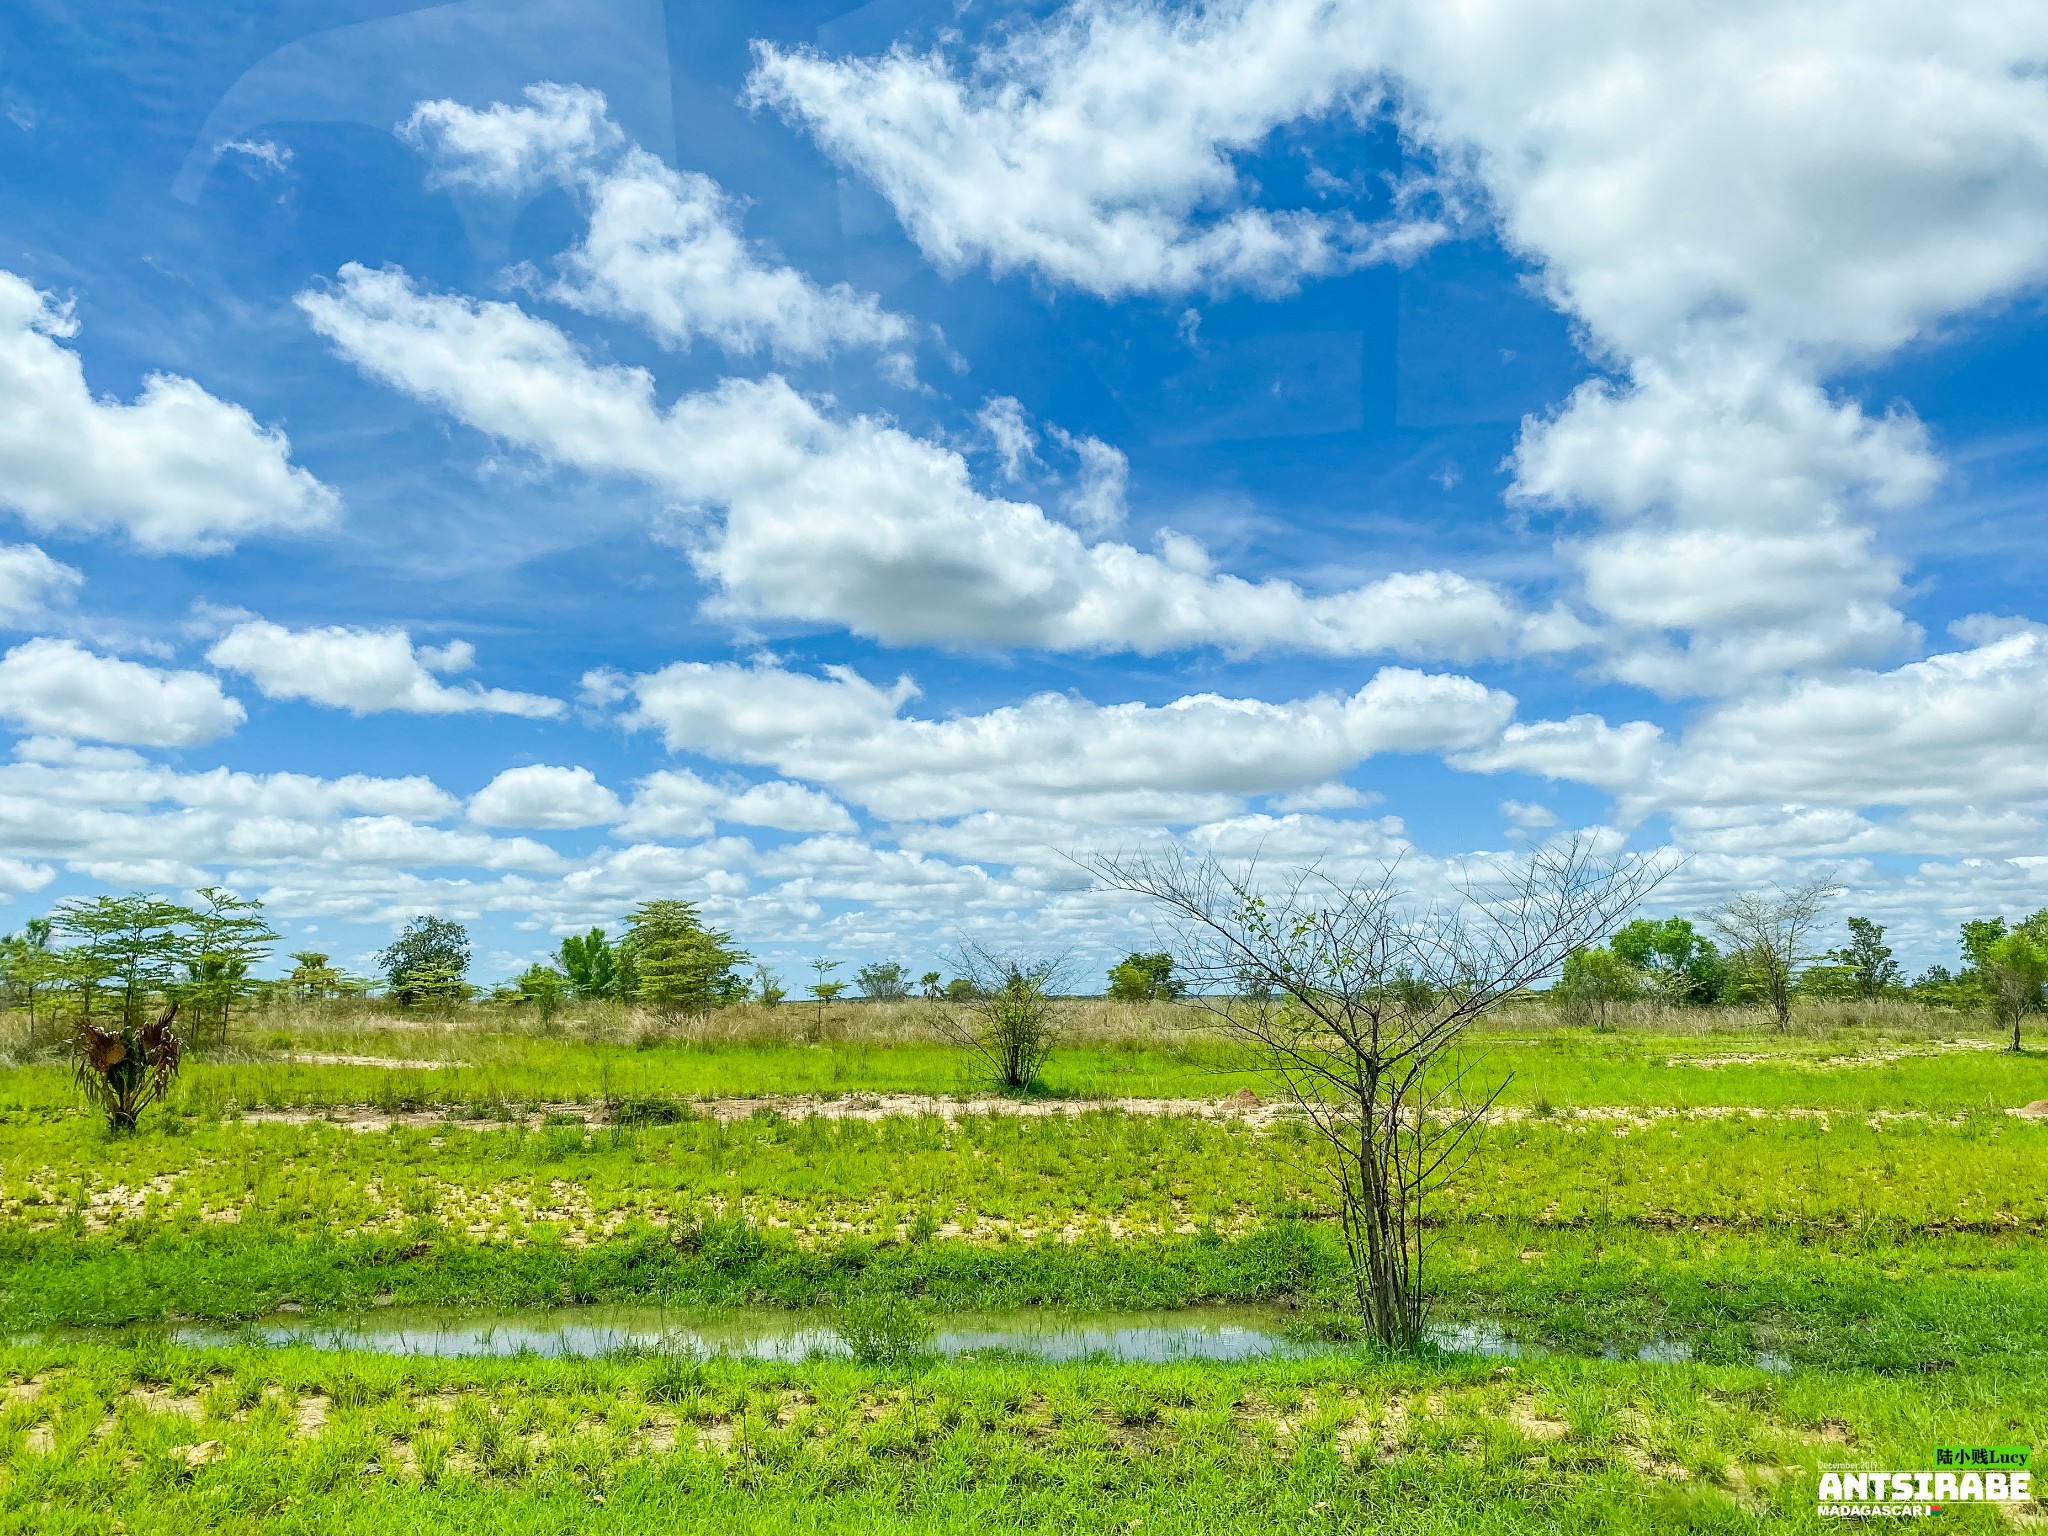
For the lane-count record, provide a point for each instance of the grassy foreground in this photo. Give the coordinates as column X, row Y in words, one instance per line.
column 1854, row 1201
column 165, row 1439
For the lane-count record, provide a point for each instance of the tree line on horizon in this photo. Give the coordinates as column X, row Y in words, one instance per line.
column 1766, row 957
column 114, row 958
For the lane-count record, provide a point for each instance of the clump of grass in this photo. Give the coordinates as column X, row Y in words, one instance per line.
column 645, row 1111
column 885, row 1330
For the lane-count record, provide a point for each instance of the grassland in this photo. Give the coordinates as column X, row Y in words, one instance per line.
column 1853, row 1200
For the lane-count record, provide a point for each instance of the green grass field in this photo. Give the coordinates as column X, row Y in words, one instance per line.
column 1851, row 1204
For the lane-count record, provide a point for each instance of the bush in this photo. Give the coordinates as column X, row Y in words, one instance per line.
column 1006, row 1018
column 884, row 1330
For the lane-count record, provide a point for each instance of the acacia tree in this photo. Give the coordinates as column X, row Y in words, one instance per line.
column 884, row 981
column 598, row 968
column 1770, row 936
column 312, row 978
column 130, row 944
column 1367, row 990
column 684, row 968
column 228, row 936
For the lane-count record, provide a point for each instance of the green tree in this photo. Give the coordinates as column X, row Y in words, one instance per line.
column 599, row 969
column 29, row 966
column 826, row 992
column 2014, row 967
column 884, row 981
column 542, row 988
column 312, row 978
column 228, row 937
column 768, row 987
column 130, row 944
column 1675, row 962
column 1978, row 938
column 928, row 984
column 684, row 968
column 1869, row 959
column 1592, row 980
column 427, row 961
column 1143, row 979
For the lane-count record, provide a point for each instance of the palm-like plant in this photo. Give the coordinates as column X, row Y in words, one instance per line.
column 125, row 1070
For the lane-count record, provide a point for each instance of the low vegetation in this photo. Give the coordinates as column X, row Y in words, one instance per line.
column 1730, row 1252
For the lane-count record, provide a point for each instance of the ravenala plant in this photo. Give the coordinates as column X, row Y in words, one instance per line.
column 126, row 1069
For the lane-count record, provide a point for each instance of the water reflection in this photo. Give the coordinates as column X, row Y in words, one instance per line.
column 1207, row 1333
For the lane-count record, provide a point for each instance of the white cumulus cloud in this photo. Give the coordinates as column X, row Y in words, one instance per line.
column 31, row 583
column 1192, row 759
column 538, row 795
column 861, row 524
column 58, row 688
column 664, row 247
column 1098, row 148
column 366, row 671
column 177, row 471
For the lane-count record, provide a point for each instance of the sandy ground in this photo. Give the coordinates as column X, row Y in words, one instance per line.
column 1244, row 1107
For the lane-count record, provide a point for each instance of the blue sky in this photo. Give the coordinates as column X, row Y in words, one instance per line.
column 512, row 460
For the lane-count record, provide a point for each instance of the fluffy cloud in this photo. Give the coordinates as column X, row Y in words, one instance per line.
column 664, row 247
column 1053, row 755
column 676, row 804
column 113, row 814
column 31, row 582
column 365, row 671
column 542, row 796
column 177, row 471
column 859, row 523
column 1747, row 600
column 58, row 688
column 1734, row 200
column 1097, row 147
column 1945, row 755
column 786, row 807
column 1960, row 728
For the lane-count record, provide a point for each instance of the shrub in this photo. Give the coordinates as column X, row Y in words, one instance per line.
column 125, row 1070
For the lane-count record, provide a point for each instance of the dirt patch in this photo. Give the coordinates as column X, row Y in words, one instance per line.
column 170, row 1402
column 1244, row 1106
column 329, row 1059
column 1533, row 1422
column 1831, row 1063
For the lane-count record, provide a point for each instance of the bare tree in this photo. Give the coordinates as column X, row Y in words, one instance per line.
column 1005, row 1017
column 1360, row 992
column 1770, row 936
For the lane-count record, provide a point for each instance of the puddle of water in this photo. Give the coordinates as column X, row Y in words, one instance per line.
column 1210, row 1333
